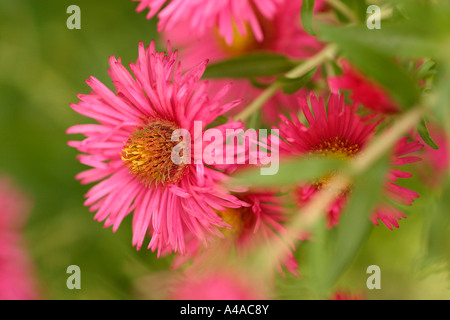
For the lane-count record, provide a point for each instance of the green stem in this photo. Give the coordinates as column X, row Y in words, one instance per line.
column 298, row 71
column 344, row 9
column 314, row 210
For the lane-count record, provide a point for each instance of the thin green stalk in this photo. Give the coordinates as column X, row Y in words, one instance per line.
column 344, row 9
column 298, row 71
column 314, row 210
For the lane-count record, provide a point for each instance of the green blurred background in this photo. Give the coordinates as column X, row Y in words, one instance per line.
column 43, row 66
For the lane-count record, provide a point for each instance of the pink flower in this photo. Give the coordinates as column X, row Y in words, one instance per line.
column 130, row 151
column 14, row 205
column 252, row 226
column 365, row 91
column 339, row 132
column 283, row 34
column 16, row 279
column 203, row 16
column 435, row 162
column 216, row 285
column 344, row 295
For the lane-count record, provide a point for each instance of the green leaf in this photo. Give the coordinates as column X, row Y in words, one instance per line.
column 441, row 101
column 392, row 39
column 437, row 240
column 258, row 84
column 425, row 70
column 307, row 16
column 355, row 224
column 359, row 8
column 373, row 63
column 292, row 85
column 290, row 172
column 425, row 135
column 250, row 65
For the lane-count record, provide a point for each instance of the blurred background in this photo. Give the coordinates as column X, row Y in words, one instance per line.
column 43, row 66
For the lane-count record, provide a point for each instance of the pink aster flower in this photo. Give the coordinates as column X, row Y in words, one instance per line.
column 364, row 91
column 16, row 279
column 216, row 285
column 337, row 131
column 250, row 227
column 130, row 150
column 283, row 34
column 227, row 16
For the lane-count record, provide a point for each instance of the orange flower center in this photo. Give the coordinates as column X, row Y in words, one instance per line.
column 148, row 151
column 246, row 43
column 239, row 218
column 335, row 148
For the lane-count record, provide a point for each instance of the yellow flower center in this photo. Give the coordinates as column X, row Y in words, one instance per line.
column 246, row 43
column 147, row 154
column 335, row 148
column 238, row 218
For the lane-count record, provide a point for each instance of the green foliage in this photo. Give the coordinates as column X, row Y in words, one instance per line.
column 293, row 85
column 307, row 16
column 372, row 62
column 250, row 65
column 331, row 251
column 291, row 171
column 425, row 135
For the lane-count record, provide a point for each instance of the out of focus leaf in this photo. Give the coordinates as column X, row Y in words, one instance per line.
column 258, row 84
column 331, row 251
column 307, row 16
column 441, row 99
column 292, row 85
column 425, row 135
column 250, row 65
column 438, row 241
column 391, row 40
column 290, row 172
column 355, row 224
column 357, row 6
column 425, row 70
column 372, row 63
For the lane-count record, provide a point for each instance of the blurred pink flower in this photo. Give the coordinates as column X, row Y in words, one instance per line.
column 283, row 34
column 364, row 91
column 14, row 204
column 203, row 16
column 345, row 295
column 16, row 279
column 256, row 225
column 435, row 162
column 337, row 131
column 216, row 285
column 130, row 151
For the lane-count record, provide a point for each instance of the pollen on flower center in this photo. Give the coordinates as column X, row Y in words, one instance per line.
column 247, row 42
column 147, row 154
column 336, row 148
column 238, row 218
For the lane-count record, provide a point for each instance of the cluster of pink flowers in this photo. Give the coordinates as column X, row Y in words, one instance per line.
column 183, row 208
